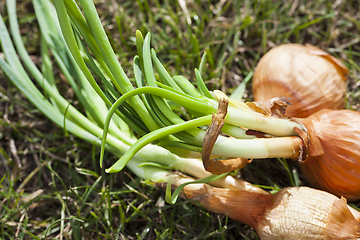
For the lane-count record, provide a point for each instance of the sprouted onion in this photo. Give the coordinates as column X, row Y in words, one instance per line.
column 312, row 78
column 332, row 160
column 292, row 213
column 315, row 80
column 142, row 110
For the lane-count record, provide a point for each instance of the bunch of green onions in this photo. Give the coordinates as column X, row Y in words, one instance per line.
column 139, row 124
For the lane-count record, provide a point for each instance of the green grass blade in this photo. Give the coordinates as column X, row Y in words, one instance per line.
column 239, row 91
column 172, row 198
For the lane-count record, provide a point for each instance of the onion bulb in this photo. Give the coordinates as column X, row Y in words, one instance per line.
column 312, row 78
column 292, row 213
column 332, row 146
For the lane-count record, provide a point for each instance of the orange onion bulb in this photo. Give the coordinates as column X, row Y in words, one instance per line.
column 312, row 78
column 332, row 140
column 292, row 213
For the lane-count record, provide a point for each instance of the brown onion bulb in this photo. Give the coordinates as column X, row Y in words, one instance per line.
column 312, row 78
column 332, row 140
column 292, row 213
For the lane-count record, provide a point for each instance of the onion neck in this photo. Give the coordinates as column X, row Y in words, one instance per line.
column 246, row 207
column 260, row 122
column 256, row 148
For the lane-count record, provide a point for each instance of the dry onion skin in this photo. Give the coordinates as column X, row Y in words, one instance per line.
column 312, row 78
column 292, row 213
column 332, row 138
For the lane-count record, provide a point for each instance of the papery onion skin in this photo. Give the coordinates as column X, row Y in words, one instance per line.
column 292, row 213
column 312, row 78
column 306, row 213
column 333, row 161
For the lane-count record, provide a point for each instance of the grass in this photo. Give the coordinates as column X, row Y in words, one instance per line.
column 51, row 183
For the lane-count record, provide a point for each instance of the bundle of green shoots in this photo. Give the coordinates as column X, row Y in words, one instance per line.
column 139, row 124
